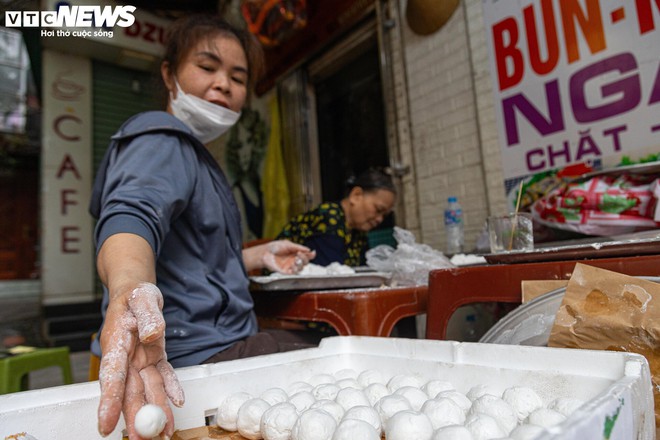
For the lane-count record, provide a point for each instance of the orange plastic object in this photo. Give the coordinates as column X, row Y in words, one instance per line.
column 364, row 312
column 450, row 289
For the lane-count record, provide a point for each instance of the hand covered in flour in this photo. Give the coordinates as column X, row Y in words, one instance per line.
column 281, row 256
column 134, row 369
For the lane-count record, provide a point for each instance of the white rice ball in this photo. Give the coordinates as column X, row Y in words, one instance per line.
column 415, row 396
column 497, row 409
column 366, row 414
column 150, row 420
column 453, row 432
column 390, row 405
column 227, row 412
column 408, row 425
column 353, row 429
column 302, row 400
column 349, row 382
column 481, row 389
column 314, row 424
column 526, row 432
column 278, row 420
column 375, row 392
column 274, row 396
column 523, row 400
column 545, row 417
column 346, row 373
column 433, row 387
column 326, row 391
column 299, row 386
column 248, row 422
column 443, row 412
column 459, row 399
column 331, row 407
column 368, row 377
column 350, row 397
column 483, row 427
column 403, row 380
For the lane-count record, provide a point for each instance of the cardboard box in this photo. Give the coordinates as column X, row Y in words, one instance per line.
column 611, row 383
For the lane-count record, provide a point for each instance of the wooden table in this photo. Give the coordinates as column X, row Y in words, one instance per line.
column 450, row 289
column 361, row 311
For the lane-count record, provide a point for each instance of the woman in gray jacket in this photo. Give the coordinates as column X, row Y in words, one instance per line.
column 168, row 235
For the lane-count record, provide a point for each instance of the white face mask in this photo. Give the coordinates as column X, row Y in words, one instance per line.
column 207, row 121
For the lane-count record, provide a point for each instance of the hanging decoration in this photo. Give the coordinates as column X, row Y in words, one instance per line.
column 427, row 16
column 274, row 21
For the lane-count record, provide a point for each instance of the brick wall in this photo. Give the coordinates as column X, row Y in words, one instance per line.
column 453, row 131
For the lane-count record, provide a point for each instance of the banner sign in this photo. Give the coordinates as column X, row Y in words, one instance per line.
column 573, row 80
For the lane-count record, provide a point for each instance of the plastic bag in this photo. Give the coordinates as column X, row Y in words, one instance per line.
column 410, row 262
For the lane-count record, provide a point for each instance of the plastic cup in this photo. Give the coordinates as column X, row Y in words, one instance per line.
column 510, row 233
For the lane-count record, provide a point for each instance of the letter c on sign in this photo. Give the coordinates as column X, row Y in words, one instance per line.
column 56, row 127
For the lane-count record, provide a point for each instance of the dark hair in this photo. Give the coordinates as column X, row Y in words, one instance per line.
column 187, row 31
column 372, row 179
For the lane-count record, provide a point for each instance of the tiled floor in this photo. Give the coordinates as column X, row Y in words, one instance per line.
column 50, row 377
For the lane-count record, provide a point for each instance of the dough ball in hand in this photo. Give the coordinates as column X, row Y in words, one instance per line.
column 150, row 420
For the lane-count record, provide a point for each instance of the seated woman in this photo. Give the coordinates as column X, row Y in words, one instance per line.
column 338, row 231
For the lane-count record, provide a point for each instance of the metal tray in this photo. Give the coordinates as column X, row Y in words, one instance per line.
column 604, row 249
column 319, row 282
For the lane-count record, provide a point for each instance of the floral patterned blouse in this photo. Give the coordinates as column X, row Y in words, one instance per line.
column 324, row 230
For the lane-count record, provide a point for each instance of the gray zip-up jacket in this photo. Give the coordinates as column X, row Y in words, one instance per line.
column 158, row 181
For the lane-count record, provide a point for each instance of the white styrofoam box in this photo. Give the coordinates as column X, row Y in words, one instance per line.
column 614, row 384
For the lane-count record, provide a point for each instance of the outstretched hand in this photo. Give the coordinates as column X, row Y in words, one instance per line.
column 134, row 367
column 285, row 256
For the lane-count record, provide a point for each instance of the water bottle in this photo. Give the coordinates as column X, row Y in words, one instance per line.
column 454, row 226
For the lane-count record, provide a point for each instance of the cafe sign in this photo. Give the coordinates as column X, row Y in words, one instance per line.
column 573, row 80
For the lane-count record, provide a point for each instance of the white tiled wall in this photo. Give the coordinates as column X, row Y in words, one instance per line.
column 453, row 131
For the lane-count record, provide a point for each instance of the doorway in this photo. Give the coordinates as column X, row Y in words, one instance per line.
column 350, row 117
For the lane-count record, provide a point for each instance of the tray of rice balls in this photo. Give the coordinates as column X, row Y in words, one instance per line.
column 369, row 388
column 315, row 277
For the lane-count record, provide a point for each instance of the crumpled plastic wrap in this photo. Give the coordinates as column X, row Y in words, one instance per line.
column 410, row 263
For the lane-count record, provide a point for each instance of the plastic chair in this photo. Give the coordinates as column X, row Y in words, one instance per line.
column 13, row 369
